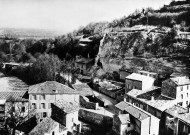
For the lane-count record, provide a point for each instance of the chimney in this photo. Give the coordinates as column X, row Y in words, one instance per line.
column 152, row 98
column 140, row 116
column 124, row 100
column 188, row 109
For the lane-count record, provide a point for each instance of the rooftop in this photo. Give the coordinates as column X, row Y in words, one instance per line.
column 143, row 71
column 45, row 126
column 124, row 68
column 132, row 110
column 67, row 107
column 109, row 86
column 179, row 112
column 136, row 112
column 51, row 87
column 122, row 105
column 152, row 98
column 181, row 80
column 84, row 60
column 124, row 118
column 138, row 77
column 17, row 96
column 12, row 84
column 83, row 89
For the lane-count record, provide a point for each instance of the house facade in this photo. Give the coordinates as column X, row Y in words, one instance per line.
column 84, row 65
column 177, row 88
column 42, row 95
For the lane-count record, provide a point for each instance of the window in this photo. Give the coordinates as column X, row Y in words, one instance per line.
column 34, row 97
column 23, row 109
column 33, row 105
column 43, row 106
column 128, row 124
column 187, row 94
column 181, row 96
column 187, row 103
column 185, row 129
column 44, row 114
column 43, row 97
column 53, row 133
column 182, row 88
column 187, row 87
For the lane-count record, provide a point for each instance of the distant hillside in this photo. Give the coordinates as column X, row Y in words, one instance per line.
column 27, row 33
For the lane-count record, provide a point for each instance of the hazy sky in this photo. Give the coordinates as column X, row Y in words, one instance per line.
column 67, row 15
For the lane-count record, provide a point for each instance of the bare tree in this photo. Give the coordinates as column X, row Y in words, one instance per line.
column 16, row 113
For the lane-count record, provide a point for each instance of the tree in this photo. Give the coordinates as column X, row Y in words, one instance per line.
column 16, row 113
column 45, row 68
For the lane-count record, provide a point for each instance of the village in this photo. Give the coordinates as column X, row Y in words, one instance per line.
column 134, row 107
column 124, row 76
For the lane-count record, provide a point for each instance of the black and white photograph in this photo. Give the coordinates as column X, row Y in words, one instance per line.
column 94, row 67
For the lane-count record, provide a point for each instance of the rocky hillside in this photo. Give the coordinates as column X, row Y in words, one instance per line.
column 149, row 46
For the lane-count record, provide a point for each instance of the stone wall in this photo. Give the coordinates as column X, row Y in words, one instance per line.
column 87, row 104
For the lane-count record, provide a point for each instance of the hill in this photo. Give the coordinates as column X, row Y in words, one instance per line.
column 27, row 33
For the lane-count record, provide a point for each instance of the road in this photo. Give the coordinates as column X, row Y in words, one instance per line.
column 110, row 102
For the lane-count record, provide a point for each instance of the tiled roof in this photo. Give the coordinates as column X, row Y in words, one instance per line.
column 83, row 89
column 122, row 105
column 181, row 80
column 124, row 118
column 16, row 96
column 159, row 102
column 179, row 112
column 51, row 87
column 124, row 68
column 138, row 77
column 67, row 107
column 84, row 60
column 109, row 86
column 12, row 84
column 137, row 112
column 143, row 71
column 45, row 126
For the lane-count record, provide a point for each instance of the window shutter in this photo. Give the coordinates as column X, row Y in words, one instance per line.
column 39, row 106
column 40, row 97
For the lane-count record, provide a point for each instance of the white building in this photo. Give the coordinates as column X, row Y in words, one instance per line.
column 42, row 95
column 138, row 81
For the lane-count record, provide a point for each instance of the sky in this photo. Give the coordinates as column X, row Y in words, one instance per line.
column 67, row 15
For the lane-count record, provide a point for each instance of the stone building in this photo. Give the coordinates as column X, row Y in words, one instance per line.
column 42, row 95
column 177, row 88
column 84, row 65
column 66, row 113
column 48, row 126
